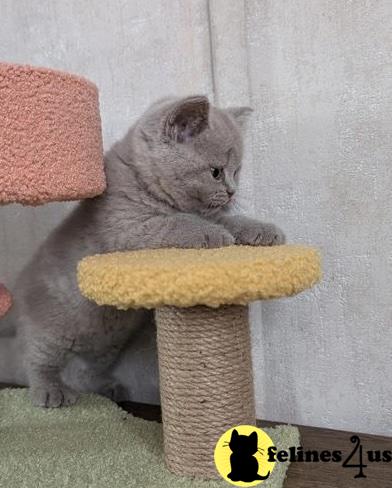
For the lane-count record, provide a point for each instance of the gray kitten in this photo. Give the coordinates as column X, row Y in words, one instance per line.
column 171, row 180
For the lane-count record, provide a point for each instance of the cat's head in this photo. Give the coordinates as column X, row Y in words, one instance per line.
column 190, row 152
column 243, row 444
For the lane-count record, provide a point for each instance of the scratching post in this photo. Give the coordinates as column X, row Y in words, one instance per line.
column 206, row 382
column 201, row 298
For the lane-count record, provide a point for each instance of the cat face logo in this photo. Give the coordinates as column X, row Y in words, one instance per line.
column 241, row 456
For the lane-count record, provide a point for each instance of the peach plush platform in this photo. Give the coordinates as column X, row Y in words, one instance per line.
column 233, row 275
column 5, row 300
column 51, row 143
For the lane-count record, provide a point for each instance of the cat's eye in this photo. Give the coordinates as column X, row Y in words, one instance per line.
column 217, row 173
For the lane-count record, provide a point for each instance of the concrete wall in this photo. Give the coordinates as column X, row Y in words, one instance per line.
column 318, row 74
column 321, row 81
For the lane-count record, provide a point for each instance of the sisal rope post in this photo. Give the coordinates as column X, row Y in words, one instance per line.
column 206, row 382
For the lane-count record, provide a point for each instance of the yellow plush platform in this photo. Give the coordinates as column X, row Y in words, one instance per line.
column 187, row 277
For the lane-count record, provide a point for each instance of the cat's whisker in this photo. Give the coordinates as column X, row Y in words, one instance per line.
column 237, row 206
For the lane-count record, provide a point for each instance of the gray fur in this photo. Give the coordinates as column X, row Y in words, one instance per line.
column 170, row 180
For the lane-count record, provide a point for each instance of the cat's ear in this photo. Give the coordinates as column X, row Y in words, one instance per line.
column 253, row 438
column 234, row 435
column 240, row 114
column 186, row 119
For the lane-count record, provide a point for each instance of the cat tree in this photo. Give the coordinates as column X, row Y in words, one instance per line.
column 51, row 150
column 201, row 298
column 51, row 143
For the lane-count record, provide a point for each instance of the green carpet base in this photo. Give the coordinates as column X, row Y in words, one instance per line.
column 94, row 444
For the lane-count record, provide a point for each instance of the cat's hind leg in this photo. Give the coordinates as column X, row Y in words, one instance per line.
column 91, row 374
column 45, row 361
column 117, row 331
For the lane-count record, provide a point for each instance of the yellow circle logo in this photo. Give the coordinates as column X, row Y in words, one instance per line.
column 241, row 456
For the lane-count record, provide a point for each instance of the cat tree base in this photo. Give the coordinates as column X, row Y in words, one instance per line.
column 205, row 380
column 200, row 298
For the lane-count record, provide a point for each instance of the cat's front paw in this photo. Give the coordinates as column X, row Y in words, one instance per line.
column 216, row 236
column 203, row 236
column 260, row 234
column 52, row 396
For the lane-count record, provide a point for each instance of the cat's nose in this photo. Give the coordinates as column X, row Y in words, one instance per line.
column 230, row 192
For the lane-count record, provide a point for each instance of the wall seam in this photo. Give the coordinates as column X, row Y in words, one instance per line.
column 211, row 45
column 257, row 307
